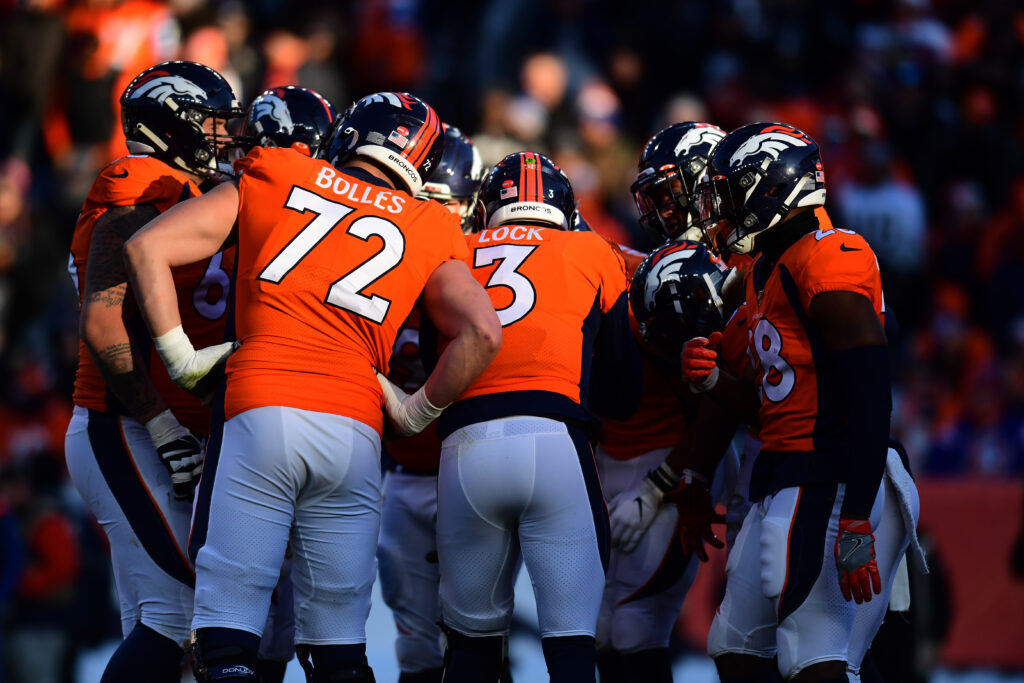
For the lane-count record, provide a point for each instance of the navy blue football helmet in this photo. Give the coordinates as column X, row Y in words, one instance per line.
column 670, row 166
column 755, row 176
column 457, row 177
column 289, row 116
column 163, row 111
column 398, row 131
column 676, row 294
column 527, row 187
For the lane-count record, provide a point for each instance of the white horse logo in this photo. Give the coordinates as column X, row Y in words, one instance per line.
column 772, row 143
column 277, row 109
column 698, row 135
column 162, row 87
column 666, row 270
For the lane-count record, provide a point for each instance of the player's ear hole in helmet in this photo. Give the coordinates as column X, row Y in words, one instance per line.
column 528, row 188
column 178, row 112
column 288, row 116
column 671, row 164
column 457, row 179
column 398, row 132
column 756, row 177
column 676, row 294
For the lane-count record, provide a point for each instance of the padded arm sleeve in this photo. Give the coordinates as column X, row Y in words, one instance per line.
column 864, row 376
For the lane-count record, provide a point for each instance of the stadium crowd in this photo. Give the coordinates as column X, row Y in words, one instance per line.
column 916, row 104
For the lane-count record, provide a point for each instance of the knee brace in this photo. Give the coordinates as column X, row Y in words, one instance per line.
column 226, row 656
column 334, row 664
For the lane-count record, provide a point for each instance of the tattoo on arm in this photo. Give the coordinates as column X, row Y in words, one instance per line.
column 105, row 268
column 106, row 289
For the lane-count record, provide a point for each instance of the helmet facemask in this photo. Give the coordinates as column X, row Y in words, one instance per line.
column 663, row 198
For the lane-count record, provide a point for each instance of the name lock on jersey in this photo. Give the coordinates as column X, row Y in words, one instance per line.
column 514, row 232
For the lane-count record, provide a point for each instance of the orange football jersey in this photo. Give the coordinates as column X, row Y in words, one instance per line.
column 544, row 284
column 659, row 420
column 203, row 288
column 795, row 397
column 330, row 264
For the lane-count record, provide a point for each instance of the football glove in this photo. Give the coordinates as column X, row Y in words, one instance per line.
column 185, row 365
column 410, row 414
column 855, row 560
column 696, row 514
column 633, row 510
column 700, row 366
column 180, row 451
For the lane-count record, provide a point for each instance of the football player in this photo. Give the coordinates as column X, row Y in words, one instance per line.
column 517, row 475
column 133, row 446
column 407, row 552
column 648, row 575
column 297, row 118
column 820, row 393
column 333, row 252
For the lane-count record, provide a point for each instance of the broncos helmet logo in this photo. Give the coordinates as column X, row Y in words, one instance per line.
column 273, row 107
column 162, row 87
column 771, row 142
column 698, row 135
column 666, row 269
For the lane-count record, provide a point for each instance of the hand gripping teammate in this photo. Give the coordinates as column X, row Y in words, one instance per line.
column 134, row 445
column 332, row 254
column 648, row 574
column 517, row 475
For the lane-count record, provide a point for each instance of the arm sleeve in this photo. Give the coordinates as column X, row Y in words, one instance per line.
column 864, row 376
column 616, row 381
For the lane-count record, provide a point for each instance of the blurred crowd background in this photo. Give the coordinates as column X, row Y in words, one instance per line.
column 916, row 104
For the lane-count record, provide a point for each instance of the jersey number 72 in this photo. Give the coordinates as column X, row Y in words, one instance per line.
column 345, row 292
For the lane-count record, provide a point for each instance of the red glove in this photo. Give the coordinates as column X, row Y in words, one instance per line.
column 700, row 366
column 696, row 515
column 855, row 560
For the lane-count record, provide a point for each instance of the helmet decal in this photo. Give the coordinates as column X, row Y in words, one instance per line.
column 772, row 140
column 273, row 106
column 699, row 134
column 162, row 85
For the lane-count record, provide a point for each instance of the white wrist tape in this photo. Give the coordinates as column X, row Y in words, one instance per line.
column 165, row 428
column 175, row 350
column 185, row 365
column 410, row 414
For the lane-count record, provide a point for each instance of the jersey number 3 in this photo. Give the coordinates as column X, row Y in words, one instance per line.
column 346, row 292
column 509, row 257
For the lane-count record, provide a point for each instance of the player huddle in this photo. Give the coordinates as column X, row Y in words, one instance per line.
column 277, row 300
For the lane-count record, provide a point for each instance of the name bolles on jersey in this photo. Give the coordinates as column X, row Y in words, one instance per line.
column 354, row 191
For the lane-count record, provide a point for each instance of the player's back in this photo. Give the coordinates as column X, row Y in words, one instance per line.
column 203, row 288
column 330, row 264
column 551, row 289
